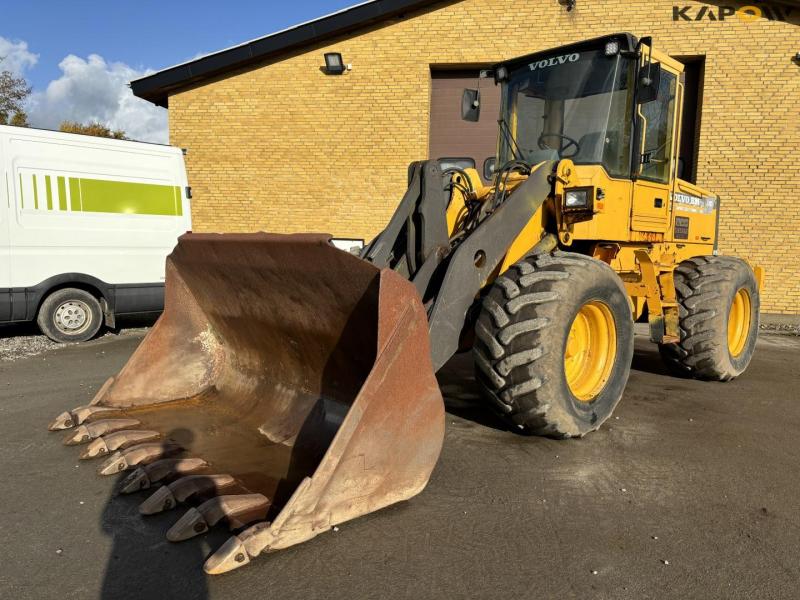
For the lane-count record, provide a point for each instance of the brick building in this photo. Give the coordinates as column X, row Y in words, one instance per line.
column 275, row 143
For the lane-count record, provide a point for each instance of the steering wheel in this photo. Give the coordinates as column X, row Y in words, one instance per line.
column 569, row 140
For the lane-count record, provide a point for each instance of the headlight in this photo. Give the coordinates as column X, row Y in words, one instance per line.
column 576, row 199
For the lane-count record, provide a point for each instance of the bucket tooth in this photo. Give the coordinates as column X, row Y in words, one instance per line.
column 119, row 439
column 76, row 416
column 166, row 468
column 135, row 455
column 243, row 547
column 159, row 501
column 238, row 510
column 85, row 433
column 182, row 489
column 231, row 555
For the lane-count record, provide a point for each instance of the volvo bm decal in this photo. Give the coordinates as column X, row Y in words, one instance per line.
column 695, row 204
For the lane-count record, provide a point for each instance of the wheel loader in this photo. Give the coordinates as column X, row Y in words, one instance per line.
column 290, row 386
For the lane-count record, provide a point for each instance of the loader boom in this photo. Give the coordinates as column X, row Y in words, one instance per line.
column 449, row 275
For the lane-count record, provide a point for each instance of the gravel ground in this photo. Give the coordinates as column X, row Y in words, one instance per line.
column 782, row 328
column 24, row 340
column 689, row 492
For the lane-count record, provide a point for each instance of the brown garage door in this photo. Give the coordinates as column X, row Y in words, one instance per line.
column 450, row 137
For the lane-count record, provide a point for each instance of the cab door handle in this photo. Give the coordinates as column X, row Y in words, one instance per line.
column 658, row 202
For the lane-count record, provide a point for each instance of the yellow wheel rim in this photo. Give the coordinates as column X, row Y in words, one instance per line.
column 739, row 322
column 591, row 351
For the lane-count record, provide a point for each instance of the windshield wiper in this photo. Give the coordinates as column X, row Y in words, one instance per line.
column 506, row 130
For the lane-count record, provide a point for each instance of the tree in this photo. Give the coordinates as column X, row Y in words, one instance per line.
column 20, row 119
column 92, row 128
column 13, row 93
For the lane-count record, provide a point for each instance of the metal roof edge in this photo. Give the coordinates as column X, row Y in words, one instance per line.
column 157, row 86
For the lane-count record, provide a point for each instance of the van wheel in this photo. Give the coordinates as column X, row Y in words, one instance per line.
column 554, row 343
column 70, row 315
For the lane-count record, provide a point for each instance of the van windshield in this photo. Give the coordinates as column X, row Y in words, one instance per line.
column 570, row 105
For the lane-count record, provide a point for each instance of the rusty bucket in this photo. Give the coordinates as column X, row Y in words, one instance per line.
column 287, row 387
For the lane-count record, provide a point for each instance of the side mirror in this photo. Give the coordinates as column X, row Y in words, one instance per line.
column 649, row 80
column 471, row 105
column 489, row 166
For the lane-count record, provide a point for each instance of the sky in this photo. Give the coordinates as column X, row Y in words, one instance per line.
column 80, row 55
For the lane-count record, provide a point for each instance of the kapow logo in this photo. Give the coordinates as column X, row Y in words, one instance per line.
column 745, row 14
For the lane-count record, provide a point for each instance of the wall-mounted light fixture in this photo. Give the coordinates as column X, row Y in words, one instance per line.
column 568, row 4
column 334, row 65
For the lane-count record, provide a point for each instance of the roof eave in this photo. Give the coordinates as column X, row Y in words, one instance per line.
column 156, row 88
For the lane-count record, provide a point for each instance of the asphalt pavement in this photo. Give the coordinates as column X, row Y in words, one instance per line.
column 691, row 491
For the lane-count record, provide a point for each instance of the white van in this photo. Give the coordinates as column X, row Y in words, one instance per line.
column 85, row 226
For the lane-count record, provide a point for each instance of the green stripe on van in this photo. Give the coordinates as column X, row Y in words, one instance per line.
column 21, row 193
column 35, row 193
column 62, row 194
column 74, row 194
column 49, row 191
column 102, row 196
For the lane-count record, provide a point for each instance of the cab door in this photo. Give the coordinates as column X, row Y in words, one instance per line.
column 658, row 126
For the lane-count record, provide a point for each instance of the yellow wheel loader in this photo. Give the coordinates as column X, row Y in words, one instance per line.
column 289, row 386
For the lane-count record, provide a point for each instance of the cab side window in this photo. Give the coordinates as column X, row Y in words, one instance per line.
column 658, row 126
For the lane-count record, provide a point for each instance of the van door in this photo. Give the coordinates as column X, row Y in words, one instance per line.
column 651, row 191
column 5, row 244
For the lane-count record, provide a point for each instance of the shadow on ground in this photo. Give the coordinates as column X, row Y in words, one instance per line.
column 11, row 330
column 461, row 396
column 141, row 562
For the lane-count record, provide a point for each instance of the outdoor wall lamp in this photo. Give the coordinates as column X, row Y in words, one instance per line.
column 334, row 65
column 568, row 4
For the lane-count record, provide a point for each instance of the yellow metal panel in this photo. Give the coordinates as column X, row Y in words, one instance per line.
column 650, row 206
column 525, row 241
column 610, row 221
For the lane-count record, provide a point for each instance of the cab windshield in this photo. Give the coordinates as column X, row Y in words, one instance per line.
column 573, row 105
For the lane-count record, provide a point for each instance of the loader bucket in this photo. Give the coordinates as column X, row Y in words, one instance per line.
column 298, row 370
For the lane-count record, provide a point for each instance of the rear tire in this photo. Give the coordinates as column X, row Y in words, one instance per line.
column 70, row 315
column 719, row 313
column 526, row 360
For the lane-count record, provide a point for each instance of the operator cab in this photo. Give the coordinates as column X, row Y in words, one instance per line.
column 612, row 108
column 578, row 102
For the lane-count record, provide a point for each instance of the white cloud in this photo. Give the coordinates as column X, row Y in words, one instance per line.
column 16, row 57
column 92, row 89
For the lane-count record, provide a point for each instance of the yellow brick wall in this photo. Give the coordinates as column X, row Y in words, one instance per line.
column 286, row 148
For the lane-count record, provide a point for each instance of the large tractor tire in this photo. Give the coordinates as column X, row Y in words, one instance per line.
column 554, row 343
column 719, row 311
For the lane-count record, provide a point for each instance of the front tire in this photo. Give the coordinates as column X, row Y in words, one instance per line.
column 70, row 315
column 554, row 343
column 719, row 304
